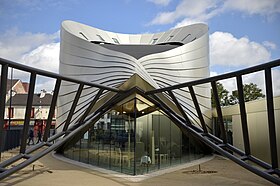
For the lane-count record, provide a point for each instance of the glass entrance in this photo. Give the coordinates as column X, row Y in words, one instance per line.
column 135, row 138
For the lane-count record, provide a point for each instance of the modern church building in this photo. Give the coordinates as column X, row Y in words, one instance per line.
column 134, row 136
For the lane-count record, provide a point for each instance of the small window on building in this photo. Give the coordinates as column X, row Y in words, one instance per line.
column 10, row 112
column 170, row 37
column 185, row 37
column 154, row 41
column 84, row 35
column 116, row 40
column 194, row 39
column 101, row 38
column 32, row 115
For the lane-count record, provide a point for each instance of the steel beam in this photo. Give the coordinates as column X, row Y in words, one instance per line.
column 219, row 111
column 3, row 91
column 52, row 110
column 179, row 107
column 28, row 112
column 197, row 107
column 73, row 107
column 95, row 99
column 271, row 118
column 243, row 115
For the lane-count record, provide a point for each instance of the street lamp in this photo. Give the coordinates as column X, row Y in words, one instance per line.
column 42, row 95
column 12, row 93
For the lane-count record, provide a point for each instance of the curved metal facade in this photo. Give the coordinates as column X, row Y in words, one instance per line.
column 161, row 59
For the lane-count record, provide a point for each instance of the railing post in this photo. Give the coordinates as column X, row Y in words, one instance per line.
column 28, row 112
column 243, row 115
column 52, row 109
column 271, row 118
column 3, row 91
column 179, row 107
column 73, row 107
column 91, row 105
column 219, row 111
column 198, row 110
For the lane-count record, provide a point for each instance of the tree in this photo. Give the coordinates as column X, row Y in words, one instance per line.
column 251, row 92
column 223, row 95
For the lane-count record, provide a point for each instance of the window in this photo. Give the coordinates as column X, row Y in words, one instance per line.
column 154, row 41
column 170, row 37
column 116, row 40
column 32, row 115
column 10, row 112
column 84, row 35
column 186, row 37
column 194, row 39
column 100, row 37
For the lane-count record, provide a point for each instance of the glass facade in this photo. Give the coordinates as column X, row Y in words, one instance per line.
column 134, row 138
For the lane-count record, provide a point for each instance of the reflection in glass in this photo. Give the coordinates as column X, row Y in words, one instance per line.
column 135, row 137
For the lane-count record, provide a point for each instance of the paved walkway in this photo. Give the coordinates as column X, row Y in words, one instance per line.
column 51, row 171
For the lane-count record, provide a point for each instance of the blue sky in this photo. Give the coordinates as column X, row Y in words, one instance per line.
column 242, row 32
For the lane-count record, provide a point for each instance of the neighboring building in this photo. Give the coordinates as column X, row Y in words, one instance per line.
column 257, row 125
column 120, row 141
column 17, row 87
column 15, row 114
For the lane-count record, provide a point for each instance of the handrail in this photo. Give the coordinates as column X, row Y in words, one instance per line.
column 249, row 70
column 54, row 75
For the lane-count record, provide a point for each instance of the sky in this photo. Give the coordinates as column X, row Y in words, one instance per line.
column 242, row 33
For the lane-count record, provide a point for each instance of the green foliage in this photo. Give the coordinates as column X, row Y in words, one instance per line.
column 223, row 95
column 251, row 92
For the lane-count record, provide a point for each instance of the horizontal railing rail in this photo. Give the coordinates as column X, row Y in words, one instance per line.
column 189, row 115
column 221, row 144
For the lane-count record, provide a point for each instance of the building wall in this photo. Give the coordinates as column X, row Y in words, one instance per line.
column 257, row 125
column 79, row 58
column 40, row 113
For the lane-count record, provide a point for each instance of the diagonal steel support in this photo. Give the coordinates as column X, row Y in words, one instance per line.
column 198, row 110
column 179, row 107
column 52, row 109
column 219, row 111
column 28, row 112
column 73, row 107
column 95, row 99
column 243, row 115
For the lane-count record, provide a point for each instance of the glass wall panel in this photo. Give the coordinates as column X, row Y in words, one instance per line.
column 84, row 150
column 134, row 138
column 93, row 146
column 175, row 144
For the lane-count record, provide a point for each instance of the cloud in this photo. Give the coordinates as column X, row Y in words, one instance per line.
column 195, row 10
column 38, row 50
column 204, row 10
column 256, row 78
column 212, row 73
column 226, row 50
column 160, row 2
column 44, row 57
column 267, row 7
column 270, row 45
column 14, row 44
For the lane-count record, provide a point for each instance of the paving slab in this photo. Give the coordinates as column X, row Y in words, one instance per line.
column 53, row 171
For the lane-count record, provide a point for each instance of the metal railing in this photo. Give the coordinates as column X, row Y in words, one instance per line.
column 28, row 155
column 11, row 139
column 244, row 158
column 85, row 116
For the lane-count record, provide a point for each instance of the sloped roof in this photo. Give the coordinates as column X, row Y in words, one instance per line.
column 9, row 82
column 21, row 100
